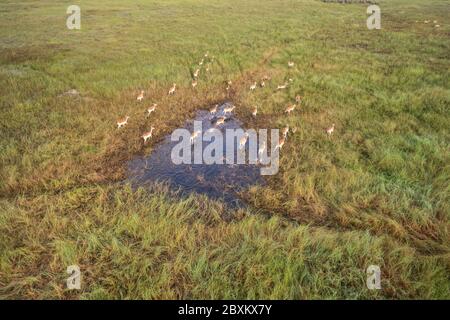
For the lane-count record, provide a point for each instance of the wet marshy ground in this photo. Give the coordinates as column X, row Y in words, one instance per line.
column 217, row 181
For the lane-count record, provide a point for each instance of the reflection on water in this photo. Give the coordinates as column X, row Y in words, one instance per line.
column 216, row 181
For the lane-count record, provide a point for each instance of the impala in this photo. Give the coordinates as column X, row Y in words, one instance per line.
column 255, row 111
column 228, row 109
column 290, row 108
column 151, row 109
column 194, row 135
column 285, row 131
column 280, row 144
column 220, row 120
column 330, row 130
column 196, row 73
column 213, row 109
column 147, row 135
column 172, row 90
column 140, row 96
column 282, row 86
column 262, row 147
column 243, row 140
column 122, row 122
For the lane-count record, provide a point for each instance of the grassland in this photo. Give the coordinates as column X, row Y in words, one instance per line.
column 376, row 192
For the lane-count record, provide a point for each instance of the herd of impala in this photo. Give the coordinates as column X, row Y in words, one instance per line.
column 221, row 120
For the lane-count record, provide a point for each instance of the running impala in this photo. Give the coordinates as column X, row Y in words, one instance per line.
column 147, row 135
column 140, row 96
column 122, row 122
column 282, row 86
column 151, row 109
column 243, row 140
column 213, row 109
column 330, row 130
column 280, row 144
column 290, row 108
column 255, row 111
column 228, row 109
column 285, row 131
column 220, row 120
column 172, row 90
column 194, row 135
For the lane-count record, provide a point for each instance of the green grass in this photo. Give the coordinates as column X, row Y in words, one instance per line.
column 376, row 192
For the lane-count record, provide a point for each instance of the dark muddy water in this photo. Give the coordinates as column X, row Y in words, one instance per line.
column 217, row 181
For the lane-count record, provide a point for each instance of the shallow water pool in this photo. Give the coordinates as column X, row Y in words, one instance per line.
column 217, row 181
